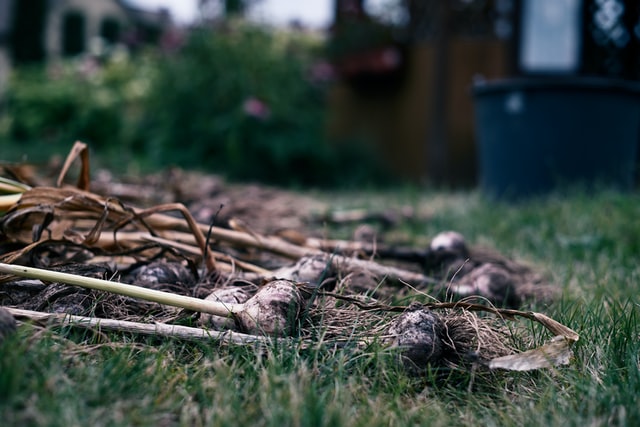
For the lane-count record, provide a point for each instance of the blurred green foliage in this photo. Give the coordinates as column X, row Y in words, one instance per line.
column 239, row 101
column 96, row 100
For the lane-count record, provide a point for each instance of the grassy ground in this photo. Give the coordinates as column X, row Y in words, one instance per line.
column 589, row 245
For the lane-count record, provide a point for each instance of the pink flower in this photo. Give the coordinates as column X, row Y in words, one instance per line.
column 89, row 67
column 254, row 107
column 321, row 72
column 172, row 40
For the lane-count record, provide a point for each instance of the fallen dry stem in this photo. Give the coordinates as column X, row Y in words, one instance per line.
column 155, row 329
column 79, row 150
column 81, row 213
column 192, row 225
column 166, row 298
column 217, row 255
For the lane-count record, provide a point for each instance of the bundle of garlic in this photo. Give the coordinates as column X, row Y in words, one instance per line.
column 423, row 337
column 318, row 293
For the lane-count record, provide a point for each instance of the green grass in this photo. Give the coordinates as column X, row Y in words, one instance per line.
column 588, row 244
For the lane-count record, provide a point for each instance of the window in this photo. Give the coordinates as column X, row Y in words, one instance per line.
column 550, row 35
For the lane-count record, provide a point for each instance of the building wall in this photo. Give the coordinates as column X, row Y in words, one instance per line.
column 94, row 12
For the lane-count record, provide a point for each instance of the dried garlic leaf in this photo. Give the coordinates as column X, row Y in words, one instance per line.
column 555, row 353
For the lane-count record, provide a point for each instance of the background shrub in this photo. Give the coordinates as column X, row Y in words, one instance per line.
column 200, row 110
column 89, row 99
column 237, row 101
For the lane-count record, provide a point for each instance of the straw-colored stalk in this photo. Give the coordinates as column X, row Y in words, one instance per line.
column 8, row 200
column 270, row 311
column 15, row 190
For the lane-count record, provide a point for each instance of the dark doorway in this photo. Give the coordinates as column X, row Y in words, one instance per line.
column 28, row 31
column 110, row 30
column 73, row 34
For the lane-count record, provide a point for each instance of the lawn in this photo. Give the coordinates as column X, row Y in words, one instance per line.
column 589, row 244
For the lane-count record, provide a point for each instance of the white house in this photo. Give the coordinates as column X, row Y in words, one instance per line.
column 44, row 30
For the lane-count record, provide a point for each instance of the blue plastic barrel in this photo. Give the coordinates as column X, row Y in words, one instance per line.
column 536, row 135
